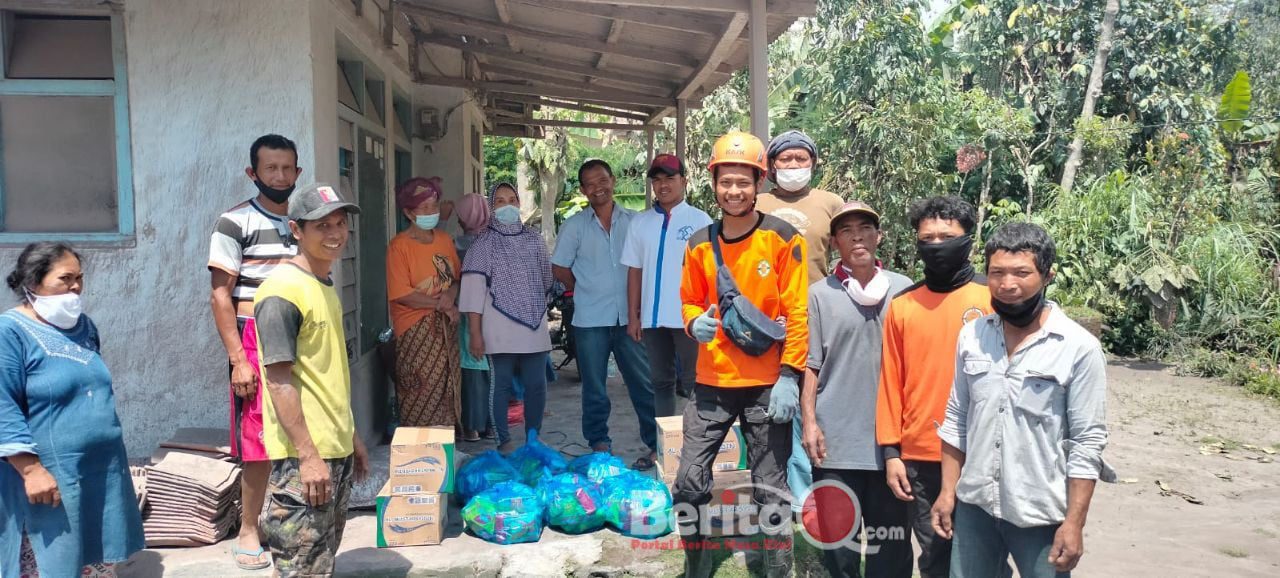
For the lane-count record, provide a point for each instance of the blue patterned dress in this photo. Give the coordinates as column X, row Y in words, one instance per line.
column 56, row 402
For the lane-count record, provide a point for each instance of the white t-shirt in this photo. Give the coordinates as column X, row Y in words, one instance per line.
column 655, row 245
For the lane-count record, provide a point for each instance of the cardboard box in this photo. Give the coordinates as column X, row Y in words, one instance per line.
column 732, row 455
column 412, row 520
column 730, row 501
column 422, row 461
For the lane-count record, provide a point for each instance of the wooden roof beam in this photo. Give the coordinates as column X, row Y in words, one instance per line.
column 615, row 30
column 596, row 94
column 784, row 7
column 682, row 20
column 582, row 124
column 615, row 75
column 470, row 22
column 575, row 105
column 504, row 14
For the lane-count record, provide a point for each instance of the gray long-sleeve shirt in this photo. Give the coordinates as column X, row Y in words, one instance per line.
column 1028, row 423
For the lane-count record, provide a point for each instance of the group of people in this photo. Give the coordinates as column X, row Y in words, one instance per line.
column 966, row 408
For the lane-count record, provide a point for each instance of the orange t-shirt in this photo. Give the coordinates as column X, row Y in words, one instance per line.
column 769, row 266
column 918, row 362
column 411, row 265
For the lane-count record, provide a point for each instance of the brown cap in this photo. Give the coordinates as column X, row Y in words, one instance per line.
column 853, row 207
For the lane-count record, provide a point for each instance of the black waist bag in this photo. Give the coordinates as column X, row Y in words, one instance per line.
column 740, row 320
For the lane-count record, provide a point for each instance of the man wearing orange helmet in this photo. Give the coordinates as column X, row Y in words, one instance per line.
column 744, row 296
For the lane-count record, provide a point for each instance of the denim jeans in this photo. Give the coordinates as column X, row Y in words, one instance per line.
column 982, row 545
column 475, row 399
column 531, row 369
column 594, row 345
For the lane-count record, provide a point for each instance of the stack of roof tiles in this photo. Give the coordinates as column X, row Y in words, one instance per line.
column 192, row 490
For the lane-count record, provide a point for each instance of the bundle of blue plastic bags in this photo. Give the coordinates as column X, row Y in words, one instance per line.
column 573, row 503
column 509, row 500
column 637, row 505
column 508, row 513
column 483, row 472
column 535, row 461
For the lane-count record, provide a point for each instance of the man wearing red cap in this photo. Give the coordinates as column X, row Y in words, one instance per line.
column 654, row 255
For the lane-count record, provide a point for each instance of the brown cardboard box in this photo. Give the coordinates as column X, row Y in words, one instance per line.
column 730, row 501
column 411, row 520
column 422, row 460
column 732, row 456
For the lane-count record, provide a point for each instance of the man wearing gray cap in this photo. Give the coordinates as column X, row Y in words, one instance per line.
column 308, row 428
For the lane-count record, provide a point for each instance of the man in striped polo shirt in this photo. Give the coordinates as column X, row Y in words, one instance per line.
column 248, row 242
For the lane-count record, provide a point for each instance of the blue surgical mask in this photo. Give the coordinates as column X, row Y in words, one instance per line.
column 427, row 222
column 507, row 214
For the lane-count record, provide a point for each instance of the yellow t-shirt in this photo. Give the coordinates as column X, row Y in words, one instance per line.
column 299, row 321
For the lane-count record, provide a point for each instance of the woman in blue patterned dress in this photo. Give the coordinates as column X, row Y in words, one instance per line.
column 67, row 506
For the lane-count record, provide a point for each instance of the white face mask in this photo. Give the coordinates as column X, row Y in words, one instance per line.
column 793, row 180
column 872, row 294
column 63, row 311
column 507, row 214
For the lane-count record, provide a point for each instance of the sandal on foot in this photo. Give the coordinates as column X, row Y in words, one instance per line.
column 236, row 553
column 643, row 463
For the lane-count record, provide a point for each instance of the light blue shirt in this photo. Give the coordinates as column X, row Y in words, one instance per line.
column 595, row 257
column 1029, row 422
column 656, row 245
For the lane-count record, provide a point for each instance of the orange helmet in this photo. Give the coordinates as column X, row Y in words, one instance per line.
column 738, row 148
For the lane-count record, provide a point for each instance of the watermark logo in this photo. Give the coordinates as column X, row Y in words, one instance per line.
column 830, row 519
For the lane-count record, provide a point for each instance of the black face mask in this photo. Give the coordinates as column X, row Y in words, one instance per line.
column 1020, row 314
column 276, row 195
column 946, row 264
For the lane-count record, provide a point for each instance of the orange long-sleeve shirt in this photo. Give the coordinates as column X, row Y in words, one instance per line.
column 918, row 364
column 769, row 266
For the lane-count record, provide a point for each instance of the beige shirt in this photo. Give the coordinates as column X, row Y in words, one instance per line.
column 810, row 213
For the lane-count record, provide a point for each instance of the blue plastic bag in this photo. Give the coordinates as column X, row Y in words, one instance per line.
column 598, row 466
column 536, row 460
column 508, row 513
column 637, row 505
column 483, row 472
column 573, row 503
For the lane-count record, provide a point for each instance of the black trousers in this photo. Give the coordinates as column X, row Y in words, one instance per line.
column 708, row 417
column 935, row 551
column 884, row 520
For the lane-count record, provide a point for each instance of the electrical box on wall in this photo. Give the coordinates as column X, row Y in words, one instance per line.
column 431, row 124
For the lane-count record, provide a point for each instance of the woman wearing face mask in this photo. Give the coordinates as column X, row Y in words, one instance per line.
column 473, row 215
column 68, row 503
column 505, row 282
column 422, row 288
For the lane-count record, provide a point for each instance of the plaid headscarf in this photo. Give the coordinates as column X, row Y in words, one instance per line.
column 514, row 260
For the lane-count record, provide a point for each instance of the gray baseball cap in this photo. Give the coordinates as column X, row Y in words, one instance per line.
column 316, row 201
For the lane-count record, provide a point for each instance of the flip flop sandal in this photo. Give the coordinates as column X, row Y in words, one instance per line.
column 238, row 552
column 642, row 463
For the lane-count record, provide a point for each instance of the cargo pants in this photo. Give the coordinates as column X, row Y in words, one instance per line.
column 708, row 417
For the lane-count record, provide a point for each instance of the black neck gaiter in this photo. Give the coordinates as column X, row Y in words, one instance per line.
column 1020, row 314
column 276, row 195
column 946, row 264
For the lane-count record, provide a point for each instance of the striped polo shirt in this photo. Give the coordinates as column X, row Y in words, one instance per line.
column 248, row 242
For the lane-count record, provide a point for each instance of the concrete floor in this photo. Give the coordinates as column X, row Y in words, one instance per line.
column 601, row 553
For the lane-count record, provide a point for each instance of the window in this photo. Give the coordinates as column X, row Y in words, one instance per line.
column 64, row 129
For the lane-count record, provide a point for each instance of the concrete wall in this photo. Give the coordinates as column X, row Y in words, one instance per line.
column 205, row 79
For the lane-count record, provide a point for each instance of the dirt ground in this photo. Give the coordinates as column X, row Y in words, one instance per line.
column 1200, row 438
